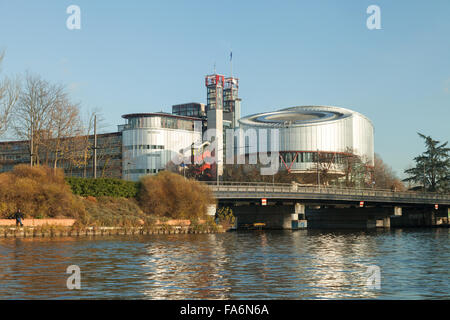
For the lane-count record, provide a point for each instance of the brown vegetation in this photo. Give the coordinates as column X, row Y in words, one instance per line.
column 384, row 177
column 111, row 212
column 170, row 195
column 39, row 192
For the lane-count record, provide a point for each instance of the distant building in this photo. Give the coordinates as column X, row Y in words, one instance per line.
column 76, row 160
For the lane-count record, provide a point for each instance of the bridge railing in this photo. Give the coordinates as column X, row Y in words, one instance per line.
column 288, row 188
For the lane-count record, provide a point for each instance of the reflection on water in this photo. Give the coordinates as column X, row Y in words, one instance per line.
column 302, row 264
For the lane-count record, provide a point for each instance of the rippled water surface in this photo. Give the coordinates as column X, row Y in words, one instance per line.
column 306, row 264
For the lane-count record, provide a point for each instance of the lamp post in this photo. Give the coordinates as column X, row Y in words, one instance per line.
column 424, row 178
column 31, row 146
column 129, row 163
column 95, row 148
column 318, row 171
column 217, row 167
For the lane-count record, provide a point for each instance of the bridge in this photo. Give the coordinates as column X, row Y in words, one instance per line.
column 329, row 206
column 285, row 191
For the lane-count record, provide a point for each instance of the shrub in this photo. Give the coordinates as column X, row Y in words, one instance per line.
column 103, row 187
column 170, row 195
column 226, row 217
column 38, row 192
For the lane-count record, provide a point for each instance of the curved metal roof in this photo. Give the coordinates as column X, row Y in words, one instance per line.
column 157, row 114
column 299, row 116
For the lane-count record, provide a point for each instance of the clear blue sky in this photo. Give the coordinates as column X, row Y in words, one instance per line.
column 144, row 56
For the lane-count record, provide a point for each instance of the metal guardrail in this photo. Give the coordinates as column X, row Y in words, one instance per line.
column 298, row 191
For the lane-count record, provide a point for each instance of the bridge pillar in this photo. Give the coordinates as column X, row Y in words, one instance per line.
column 298, row 220
column 300, row 210
column 387, row 222
column 397, row 211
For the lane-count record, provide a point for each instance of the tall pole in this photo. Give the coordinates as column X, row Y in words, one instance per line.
column 231, row 65
column 31, row 146
column 95, row 146
column 217, row 172
column 217, row 165
column 318, row 172
column 424, row 178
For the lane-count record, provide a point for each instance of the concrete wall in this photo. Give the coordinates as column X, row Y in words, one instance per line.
column 38, row 222
column 343, row 218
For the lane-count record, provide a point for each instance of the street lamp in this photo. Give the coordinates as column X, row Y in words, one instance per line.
column 318, row 171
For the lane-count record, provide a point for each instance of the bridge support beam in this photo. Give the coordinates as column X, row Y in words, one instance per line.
column 398, row 212
column 273, row 216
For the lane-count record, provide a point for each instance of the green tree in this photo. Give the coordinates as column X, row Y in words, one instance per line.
column 432, row 168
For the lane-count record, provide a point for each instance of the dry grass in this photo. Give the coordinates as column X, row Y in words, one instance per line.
column 111, row 212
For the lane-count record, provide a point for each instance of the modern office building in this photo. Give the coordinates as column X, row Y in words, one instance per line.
column 310, row 133
column 152, row 140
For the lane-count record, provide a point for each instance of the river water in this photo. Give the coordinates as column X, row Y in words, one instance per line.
column 304, row 264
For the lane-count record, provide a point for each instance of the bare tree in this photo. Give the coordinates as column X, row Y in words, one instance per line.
column 9, row 94
column 64, row 124
column 39, row 104
column 83, row 143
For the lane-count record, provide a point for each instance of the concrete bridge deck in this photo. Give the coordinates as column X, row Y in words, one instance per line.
column 288, row 205
column 241, row 191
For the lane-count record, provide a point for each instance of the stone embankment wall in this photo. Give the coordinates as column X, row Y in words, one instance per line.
column 39, row 222
column 65, row 227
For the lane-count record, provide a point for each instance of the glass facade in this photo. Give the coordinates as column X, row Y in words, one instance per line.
column 159, row 121
column 190, row 110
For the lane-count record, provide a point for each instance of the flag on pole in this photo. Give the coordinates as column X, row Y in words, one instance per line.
column 231, row 55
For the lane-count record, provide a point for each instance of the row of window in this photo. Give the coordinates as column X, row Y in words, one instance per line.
column 312, row 157
column 143, row 147
column 141, row 171
column 195, row 113
column 160, row 122
column 9, row 157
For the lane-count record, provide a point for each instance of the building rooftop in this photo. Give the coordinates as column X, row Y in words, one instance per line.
column 158, row 114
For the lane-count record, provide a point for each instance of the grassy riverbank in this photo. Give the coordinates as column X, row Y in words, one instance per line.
column 42, row 192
